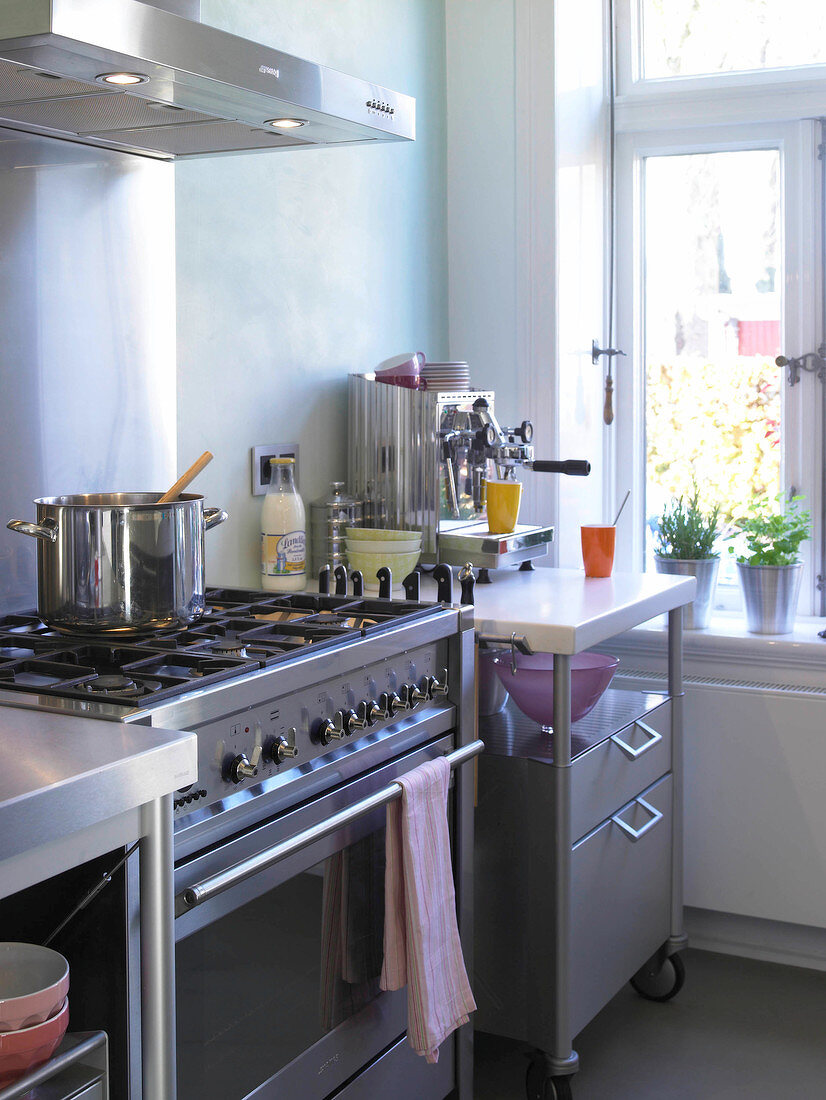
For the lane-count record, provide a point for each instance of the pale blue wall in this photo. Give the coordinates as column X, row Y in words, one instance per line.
column 298, row 267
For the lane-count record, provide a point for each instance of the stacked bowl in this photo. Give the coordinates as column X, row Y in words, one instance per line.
column 446, row 376
column 34, row 1007
column 369, row 550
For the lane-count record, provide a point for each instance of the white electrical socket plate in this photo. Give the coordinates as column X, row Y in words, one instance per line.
column 259, row 461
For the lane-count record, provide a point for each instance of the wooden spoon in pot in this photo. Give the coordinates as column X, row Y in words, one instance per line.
column 175, row 491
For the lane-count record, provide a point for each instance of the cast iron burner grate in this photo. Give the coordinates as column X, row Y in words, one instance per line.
column 241, row 632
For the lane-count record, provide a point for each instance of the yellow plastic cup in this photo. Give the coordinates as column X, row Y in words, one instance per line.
column 503, row 499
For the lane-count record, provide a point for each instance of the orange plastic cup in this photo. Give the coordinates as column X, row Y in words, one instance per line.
column 503, row 499
column 598, row 549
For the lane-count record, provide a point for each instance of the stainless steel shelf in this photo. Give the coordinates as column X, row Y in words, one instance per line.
column 511, row 733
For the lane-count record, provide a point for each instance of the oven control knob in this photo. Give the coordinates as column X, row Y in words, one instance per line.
column 413, row 696
column 240, row 769
column 437, row 687
column 369, row 712
column 343, row 721
column 357, row 720
column 325, row 732
column 281, row 750
column 390, row 703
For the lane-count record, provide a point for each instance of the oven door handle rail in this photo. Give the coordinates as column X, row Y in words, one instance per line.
column 196, row 895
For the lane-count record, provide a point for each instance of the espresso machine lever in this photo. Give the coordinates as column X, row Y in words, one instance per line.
column 575, row 467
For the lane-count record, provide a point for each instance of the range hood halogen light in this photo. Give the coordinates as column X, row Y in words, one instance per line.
column 286, row 123
column 124, row 80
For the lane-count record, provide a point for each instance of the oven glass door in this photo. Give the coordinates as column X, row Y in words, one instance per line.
column 266, row 982
column 277, row 978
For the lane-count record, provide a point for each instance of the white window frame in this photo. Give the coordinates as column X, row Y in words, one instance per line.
column 797, row 144
column 730, row 88
column 761, row 109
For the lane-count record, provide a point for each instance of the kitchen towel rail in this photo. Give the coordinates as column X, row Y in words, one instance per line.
column 233, row 876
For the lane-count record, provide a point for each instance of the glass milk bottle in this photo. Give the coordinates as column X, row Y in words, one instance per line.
column 283, row 536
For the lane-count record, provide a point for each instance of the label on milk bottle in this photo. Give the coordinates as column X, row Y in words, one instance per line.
column 284, row 555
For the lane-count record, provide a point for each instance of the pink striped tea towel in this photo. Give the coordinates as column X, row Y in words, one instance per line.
column 421, row 935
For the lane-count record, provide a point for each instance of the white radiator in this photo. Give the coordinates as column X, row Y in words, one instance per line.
column 755, row 800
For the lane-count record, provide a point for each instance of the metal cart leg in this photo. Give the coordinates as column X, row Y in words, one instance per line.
column 158, row 951
column 678, row 940
column 550, row 918
column 663, row 976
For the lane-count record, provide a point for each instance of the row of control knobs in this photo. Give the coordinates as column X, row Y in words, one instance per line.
column 344, row 723
column 347, row 721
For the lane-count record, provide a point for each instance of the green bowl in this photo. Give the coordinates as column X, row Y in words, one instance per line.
column 370, row 534
column 362, row 546
column 369, row 564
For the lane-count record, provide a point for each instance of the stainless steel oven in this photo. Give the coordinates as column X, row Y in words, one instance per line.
column 279, row 952
column 307, row 708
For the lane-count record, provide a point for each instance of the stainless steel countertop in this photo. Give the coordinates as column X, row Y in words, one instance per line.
column 62, row 774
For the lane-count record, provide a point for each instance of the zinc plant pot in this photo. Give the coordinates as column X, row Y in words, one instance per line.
column 770, row 593
column 696, row 615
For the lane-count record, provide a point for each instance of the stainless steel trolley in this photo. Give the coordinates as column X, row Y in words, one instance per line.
column 579, row 865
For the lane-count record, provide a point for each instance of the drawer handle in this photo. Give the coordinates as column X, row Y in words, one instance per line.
column 654, row 738
column 635, row 834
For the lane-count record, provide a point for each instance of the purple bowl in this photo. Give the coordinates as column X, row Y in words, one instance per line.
column 533, row 685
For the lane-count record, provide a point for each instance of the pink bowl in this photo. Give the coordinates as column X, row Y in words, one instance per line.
column 533, row 685
column 34, row 982
column 22, row 1051
column 405, row 373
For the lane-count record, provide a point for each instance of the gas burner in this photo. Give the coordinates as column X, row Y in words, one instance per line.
column 232, row 647
column 113, row 685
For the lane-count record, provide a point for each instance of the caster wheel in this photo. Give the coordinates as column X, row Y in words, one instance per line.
column 540, row 1086
column 660, row 983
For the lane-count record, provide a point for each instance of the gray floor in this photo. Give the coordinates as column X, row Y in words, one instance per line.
column 739, row 1030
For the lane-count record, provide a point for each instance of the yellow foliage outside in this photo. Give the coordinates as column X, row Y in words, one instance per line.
column 718, row 427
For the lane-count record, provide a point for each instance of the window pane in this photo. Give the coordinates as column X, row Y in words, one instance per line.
column 712, row 299
column 687, row 37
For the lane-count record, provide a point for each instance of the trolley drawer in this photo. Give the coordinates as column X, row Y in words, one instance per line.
column 614, row 771
column 621, row 899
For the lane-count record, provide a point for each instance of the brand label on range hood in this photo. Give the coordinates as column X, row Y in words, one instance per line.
column 269, row 69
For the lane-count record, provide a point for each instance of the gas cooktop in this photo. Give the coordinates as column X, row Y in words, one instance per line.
column 241, row 631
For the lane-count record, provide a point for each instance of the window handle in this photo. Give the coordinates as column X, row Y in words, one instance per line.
column 596, row 354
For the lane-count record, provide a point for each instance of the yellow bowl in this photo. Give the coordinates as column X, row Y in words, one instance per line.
column 369, row 564
column 371, row 534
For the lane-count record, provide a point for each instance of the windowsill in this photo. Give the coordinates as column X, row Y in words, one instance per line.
column 727, row 650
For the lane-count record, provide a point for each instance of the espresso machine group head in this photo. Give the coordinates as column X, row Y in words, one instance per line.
column 420, row 459
column 508, row 448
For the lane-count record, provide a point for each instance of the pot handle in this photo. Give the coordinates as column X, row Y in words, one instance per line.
column 47, row 530
column 213, row 517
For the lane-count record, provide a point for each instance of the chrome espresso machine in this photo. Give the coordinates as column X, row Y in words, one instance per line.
column 420, row 459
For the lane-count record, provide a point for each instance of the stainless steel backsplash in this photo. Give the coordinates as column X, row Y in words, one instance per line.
column 87, row 316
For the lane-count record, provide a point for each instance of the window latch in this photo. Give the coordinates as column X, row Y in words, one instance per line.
column 596, row 353
column 812, row 362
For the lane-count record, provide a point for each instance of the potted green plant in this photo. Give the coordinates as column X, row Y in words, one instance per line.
column 687, row 536
column 770, row 568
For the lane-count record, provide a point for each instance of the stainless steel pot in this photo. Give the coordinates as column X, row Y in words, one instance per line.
column 770, row 593
column 120, row 563
column 696, row 615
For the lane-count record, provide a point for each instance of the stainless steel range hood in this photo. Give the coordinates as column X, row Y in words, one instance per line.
column 200, row 91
